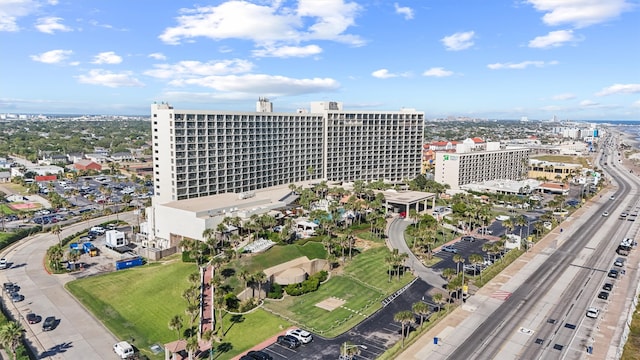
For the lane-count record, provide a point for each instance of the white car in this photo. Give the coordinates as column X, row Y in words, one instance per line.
column 3, row 263
column 593, row 312
column 606, row 213
column 305, row 337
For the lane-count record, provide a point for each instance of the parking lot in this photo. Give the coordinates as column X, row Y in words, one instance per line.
column 373, row 336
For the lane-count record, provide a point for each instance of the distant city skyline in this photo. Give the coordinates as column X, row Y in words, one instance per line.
column 460, row 58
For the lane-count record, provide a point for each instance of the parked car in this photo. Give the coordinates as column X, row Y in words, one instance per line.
column 613, row 273
column 619, row 262
column 49, row 323
column 449, row 249
column 33, row 318
column 10, row 287
column 468, row 238
column 607, row 286
column 305, row 337
column 604, row 295
column 288, row 341
column 3, row 263
column 593, row 312
column 259, row 355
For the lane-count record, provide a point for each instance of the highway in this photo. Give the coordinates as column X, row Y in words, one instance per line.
column 544, row 318
column 536, row 307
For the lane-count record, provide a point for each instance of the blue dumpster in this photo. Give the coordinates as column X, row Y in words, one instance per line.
column 435, row 341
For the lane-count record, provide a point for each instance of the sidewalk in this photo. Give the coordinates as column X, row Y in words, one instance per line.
column 424, row 346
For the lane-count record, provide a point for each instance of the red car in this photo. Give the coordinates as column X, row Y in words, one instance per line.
column 33, row 318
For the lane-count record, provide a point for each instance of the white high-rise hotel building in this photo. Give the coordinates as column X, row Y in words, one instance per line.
column 198, row 153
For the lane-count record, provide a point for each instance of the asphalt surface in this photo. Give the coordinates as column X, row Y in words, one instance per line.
column 374, row 335
column 77, row 335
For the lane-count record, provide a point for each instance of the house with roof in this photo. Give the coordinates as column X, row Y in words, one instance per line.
column 122, row 156
column 74, row 157
column 86, row 164
column 97, row 158
column 49, row 158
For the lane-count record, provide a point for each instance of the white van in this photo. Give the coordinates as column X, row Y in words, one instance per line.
column 123, row 349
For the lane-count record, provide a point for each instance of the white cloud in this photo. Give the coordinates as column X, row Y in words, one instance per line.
column 458, row 41
column 564, row 97
column 636, row 104
column 620, row 89
column 521, row 65
column 580, row 13
column 552, row 39
column 385, row 74
column 288, row 51
column 262, row 84
column 588, row 103
column 52, row 57
column 51, row 24
column 311, row 20
column 382, row 74
column 437, row 72
column 109, row 79
column 11, row 11
column 404, row 10
column 107, row 57
column 194, row 69
column 158, row 56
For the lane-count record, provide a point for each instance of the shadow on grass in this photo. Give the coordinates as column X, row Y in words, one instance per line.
column 222, row 348
column 234, row 320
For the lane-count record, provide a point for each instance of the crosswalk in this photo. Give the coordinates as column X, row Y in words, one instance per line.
column 501, row 295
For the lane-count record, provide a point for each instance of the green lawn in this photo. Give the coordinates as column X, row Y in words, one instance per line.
column 138, row 304
column 279, row 254
column 363, row 285
column 6, row 210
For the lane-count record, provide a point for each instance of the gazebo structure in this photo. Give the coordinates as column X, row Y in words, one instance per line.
column 406, row 200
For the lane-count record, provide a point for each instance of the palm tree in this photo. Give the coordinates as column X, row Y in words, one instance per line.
column 11, row 336
column 404, row 318
column 439, row 299
column 56, row 229
column 176, row 324
column 219, row 303
column 521, row 221
column 422, row 309
column 55, row 255
column 476, row 259
column 260, row 277
column 192, row 346
column 448, row 273
column 192, row 310
column 508, row 224
column 457, row 258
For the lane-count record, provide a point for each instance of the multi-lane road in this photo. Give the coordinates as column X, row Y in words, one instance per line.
column 542, row 315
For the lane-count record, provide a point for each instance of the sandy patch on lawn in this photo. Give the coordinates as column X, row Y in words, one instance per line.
column 330, row 304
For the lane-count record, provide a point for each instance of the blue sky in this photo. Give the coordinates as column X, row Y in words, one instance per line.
column 575, row 59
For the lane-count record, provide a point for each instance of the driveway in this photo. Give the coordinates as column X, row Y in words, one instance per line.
column 395, row 233
column 78, row 335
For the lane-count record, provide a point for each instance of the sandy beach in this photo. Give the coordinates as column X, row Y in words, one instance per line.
column 632, row 160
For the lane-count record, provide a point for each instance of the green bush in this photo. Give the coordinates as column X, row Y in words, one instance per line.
column 248, row 305
column 307, row 286
column 19, row 235
column 276, row 292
